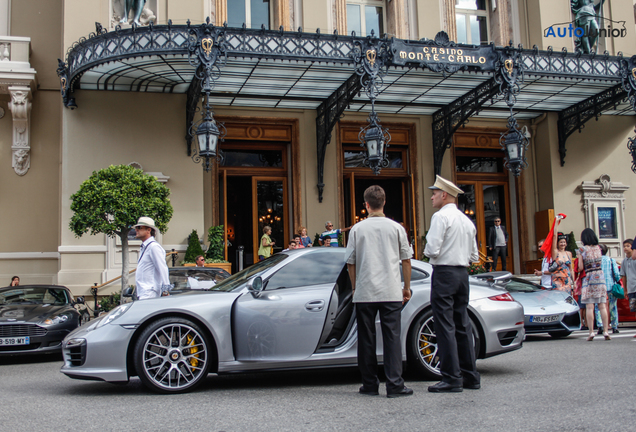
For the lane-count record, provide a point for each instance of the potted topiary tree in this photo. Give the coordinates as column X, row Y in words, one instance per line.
column 194, row 249
column 215, row 255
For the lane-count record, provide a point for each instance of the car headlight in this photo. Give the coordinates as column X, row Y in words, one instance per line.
column 570, row 299
column 113, row 315
column 57, row 319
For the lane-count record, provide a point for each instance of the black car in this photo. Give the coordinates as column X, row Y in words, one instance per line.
column 36, row 318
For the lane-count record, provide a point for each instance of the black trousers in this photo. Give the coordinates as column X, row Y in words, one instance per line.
column 390, row 317
column 499, row 251
column 449, row 300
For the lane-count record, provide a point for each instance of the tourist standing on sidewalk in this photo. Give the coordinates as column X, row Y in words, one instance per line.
column 628, row 271
column 152, row 278
column 612, row 276
column 376, row 247
column 451, row 246
column 593, row 290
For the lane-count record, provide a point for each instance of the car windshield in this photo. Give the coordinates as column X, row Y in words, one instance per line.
column 238, row 279
column 197, row 278
column 519, row 285
column 33, row 295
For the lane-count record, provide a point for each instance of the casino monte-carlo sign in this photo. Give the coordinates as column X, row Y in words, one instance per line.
column 447, row 57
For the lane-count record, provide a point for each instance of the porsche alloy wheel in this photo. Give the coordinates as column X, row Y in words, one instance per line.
column 172, row 355
column 422, row 350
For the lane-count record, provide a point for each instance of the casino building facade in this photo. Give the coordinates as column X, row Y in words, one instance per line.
column 451, row 82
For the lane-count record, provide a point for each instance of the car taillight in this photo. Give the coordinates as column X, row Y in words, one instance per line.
column 502, row 297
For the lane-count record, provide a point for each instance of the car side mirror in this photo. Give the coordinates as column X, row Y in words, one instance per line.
column 80, row 300
column 255, row 285
column 127, row 292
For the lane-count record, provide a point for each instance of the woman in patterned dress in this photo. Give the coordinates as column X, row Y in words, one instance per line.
column 593, row 290
column 562, row 277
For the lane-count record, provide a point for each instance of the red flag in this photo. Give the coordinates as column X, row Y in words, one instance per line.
column 547, row 244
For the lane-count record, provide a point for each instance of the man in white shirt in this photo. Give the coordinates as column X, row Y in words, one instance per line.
column 152, row 271
column 451, row 247
column 375, row 248
column 546, row 276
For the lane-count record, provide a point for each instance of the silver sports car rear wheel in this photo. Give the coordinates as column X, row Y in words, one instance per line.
column 172, row 355
column 422, row 353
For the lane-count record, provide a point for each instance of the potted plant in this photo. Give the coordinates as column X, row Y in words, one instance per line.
column 194, row 249
column 215, row 255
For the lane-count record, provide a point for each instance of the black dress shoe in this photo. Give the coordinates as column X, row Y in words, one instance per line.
column 442, row 387
column 404, row 392
column 615, row 331
column 368, row 392
column 584, row 328
column 472, row 386
column 600, row 331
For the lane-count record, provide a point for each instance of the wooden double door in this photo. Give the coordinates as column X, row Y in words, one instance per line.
column 483, row 201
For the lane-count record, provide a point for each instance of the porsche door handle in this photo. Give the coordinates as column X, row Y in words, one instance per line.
column 315, row 305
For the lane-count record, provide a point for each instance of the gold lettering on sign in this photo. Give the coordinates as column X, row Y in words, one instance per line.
column 482, row 60
column 451, row 58
column 63, row 82
column 634, row 73
column 442, row 51
column 412, row 56
column 436, row 57
column 460, row 59
column 402, row 54
column 420, row 56
column 460, row 52
column 434, row 50
column 425, row 49
column 207, row 45
column 508, row 65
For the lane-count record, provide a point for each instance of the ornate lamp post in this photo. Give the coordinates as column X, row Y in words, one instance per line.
column 514, row 142
column 631, row 145
column 371, row 57
column 206, row 47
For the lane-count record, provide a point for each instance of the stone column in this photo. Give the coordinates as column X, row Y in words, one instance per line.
column 449, row 24
column 340, row 16
column 281, row 15
column 396, row 19
column 220, row 11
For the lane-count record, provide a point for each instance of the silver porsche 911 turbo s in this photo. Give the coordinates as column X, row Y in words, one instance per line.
column 546, row 311
column 293, row 310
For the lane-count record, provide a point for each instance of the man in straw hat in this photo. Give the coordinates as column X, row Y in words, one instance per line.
column 451, row 247
column 152, row 271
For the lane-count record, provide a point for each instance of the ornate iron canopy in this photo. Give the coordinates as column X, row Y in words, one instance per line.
column 277, row 69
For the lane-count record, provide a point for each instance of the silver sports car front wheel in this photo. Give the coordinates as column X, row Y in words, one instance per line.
column 172, row 355
column 422, row 351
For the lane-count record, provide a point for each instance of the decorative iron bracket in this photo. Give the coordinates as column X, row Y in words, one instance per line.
column 62, row 72
column 574, row 118
column 628, row 78
column 327, row 115
column 448, row 119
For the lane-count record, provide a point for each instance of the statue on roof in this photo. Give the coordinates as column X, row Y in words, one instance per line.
column 141, row 14
column 586, row 15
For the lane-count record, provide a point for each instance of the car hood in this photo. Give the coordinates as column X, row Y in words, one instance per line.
column 29, row 313
column 548, row 300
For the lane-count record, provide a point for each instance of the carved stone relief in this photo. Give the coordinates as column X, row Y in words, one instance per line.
column 604, row 208
column 20, row 107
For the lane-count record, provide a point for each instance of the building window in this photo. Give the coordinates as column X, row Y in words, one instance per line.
column 364, row 16
column 253, row 13
column 472, row 21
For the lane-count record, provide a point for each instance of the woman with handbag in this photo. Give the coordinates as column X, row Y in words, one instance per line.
column 612, row 276
column 593, row 290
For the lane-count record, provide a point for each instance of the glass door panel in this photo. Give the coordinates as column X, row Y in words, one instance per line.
column 495, row 206
column 269, row 197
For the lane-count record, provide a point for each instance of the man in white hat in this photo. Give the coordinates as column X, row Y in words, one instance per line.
column 152, row 271
column 451, row 247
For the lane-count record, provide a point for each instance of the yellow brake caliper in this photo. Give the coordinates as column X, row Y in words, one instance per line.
column 425, row 346
column 194, row 361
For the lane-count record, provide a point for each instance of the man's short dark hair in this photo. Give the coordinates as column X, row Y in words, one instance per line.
column 197, row 258
column 375, row 197
column 603, row 249
column 14, row 278
column 628, row 241
column 588, row 237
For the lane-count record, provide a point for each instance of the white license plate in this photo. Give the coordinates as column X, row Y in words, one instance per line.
column 24, row 340
column 544, row 319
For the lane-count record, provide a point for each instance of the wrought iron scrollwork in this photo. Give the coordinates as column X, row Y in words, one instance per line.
column 327, row 115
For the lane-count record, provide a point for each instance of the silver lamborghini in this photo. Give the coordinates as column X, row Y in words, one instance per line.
column 293, row 310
